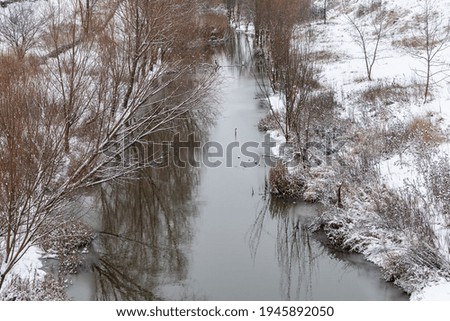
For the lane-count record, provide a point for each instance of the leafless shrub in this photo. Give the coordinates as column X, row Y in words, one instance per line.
column 283, row 184
column 413, row 212
column 323, row 100
column 394, row 267
column 314, row 119
column 405, row 212
column 312, row 123
column 420, row 132
column 439, row 184
column 395, row 138
column 366, row 149
column 269, row 122
column 417, row 88
column 273, row 15
column 66, row 237
column 367, row 8
column 412, row 42
column 292, row 71
column 68, row 240
column 410, row 268
column 422, row 254
column 48, row 289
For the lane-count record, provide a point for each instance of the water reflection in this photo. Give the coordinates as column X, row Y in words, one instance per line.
column 309, row 269
column 294, row 252
column 239, row 51
column 146, row 248
column 146, row 224
column 145, row 231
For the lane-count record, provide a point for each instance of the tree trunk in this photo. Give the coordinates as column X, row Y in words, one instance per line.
column 67, row 139
column 427, row 84
column 339, row 196
column 2, row 280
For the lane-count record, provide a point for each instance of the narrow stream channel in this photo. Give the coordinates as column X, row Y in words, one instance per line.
column 213, row 233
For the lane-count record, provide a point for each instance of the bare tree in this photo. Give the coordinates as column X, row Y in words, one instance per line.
column 70, row 79
column 86, row 8
column 30, row 162
column 430, row 39
column 143, row 72
column 287, row 60
column 290, row 65
column 368, row 37
column 19, row 28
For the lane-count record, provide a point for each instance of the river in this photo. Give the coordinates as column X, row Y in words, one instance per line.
column 213, row 233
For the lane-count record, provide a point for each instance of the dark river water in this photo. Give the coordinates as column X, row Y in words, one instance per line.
column 214, row 233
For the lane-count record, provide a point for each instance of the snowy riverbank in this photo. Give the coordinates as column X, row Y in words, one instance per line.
column 392, row 169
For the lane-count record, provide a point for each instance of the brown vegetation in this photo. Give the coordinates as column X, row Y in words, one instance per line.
column 424, row 131
column 285, row 185
column 103, row 87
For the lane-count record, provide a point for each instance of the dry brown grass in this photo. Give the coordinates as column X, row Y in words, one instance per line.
column 284, row 185
column 384, row 93
column 423, row 130
column 325, row 56
column 411, row 42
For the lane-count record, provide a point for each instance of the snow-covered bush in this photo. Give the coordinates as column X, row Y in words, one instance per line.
column 270, row 122
column 67, row 241
column 439, row 181
column 284, row 184
column 48, row 289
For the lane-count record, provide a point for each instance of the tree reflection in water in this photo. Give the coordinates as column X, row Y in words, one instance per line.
column 295, row 254
column 146, row 223
column 145, row 231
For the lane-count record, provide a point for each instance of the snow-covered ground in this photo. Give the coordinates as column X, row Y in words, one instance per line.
column 29, row 264
column 29, row 268
column 439, row 291
column 395, row 65
column 358, row 226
